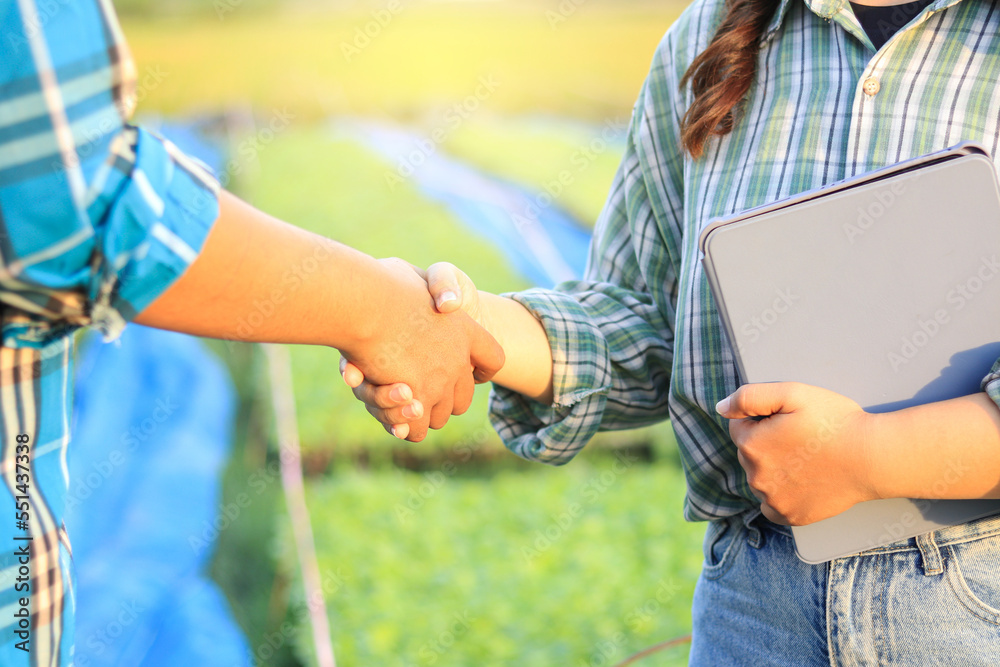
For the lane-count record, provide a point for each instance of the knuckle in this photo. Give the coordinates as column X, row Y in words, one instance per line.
column 791, row 391
column 757, row 393
column 742, row 397
column 736, row 432
column 773, row 515
column 383, row 397
column 759, row 484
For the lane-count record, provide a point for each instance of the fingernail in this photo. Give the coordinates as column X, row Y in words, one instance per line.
column 413, row 411
column 400, row 394
column 445, row 297
column 722, row 407
column 392, row 429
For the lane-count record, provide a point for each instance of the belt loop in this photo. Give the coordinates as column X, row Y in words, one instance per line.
column 754, row 537
column 930, row 555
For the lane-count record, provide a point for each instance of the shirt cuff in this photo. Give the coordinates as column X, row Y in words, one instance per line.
column 581, row 377
column 991, row 383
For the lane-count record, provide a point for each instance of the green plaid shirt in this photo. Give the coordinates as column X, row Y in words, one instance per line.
column 639, row 339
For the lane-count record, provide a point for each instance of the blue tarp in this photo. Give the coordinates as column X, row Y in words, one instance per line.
column 151, row 435
column 540, row 240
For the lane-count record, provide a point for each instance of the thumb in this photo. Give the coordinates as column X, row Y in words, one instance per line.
column 485, row 353
column 757, row 400
column 448, row 285
column 352, row 374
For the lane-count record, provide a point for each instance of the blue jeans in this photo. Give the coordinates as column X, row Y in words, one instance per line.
column 929, row 600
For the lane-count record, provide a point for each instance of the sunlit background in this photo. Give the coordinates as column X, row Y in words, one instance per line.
column 485, row 133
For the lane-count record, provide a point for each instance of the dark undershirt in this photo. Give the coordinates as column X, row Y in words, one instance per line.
column 881, row 23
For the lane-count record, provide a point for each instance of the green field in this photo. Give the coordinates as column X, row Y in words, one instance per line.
column 447, row 563
column 583, row 565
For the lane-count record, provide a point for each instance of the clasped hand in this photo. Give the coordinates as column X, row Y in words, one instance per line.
column 420, row 364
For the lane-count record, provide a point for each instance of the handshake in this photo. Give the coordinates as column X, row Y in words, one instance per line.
column 415, row 343
column 421, row 363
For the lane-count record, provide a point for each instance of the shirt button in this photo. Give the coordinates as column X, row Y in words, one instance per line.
column 871, row 86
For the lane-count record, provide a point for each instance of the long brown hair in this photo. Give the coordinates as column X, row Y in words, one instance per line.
column 721, row 74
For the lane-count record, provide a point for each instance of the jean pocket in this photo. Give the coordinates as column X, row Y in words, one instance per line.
column 974, row 575
column 723, row 539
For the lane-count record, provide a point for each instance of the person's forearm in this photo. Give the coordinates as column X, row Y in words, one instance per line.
column 949, row 449
column 260, row 279
column 528, row 366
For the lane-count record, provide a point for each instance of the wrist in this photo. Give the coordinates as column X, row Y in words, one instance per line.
column 886, row 477
column 528, row 366
column 381, row 304
column 486, row 316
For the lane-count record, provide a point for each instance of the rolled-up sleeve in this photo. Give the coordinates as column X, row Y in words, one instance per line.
column 98, row 217
column 581, row 376
column 991, row 383
column 71, row 269
column 612, row 333
column 153, row 231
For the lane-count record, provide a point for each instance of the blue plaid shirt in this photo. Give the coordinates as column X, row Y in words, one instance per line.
column 97, row 218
